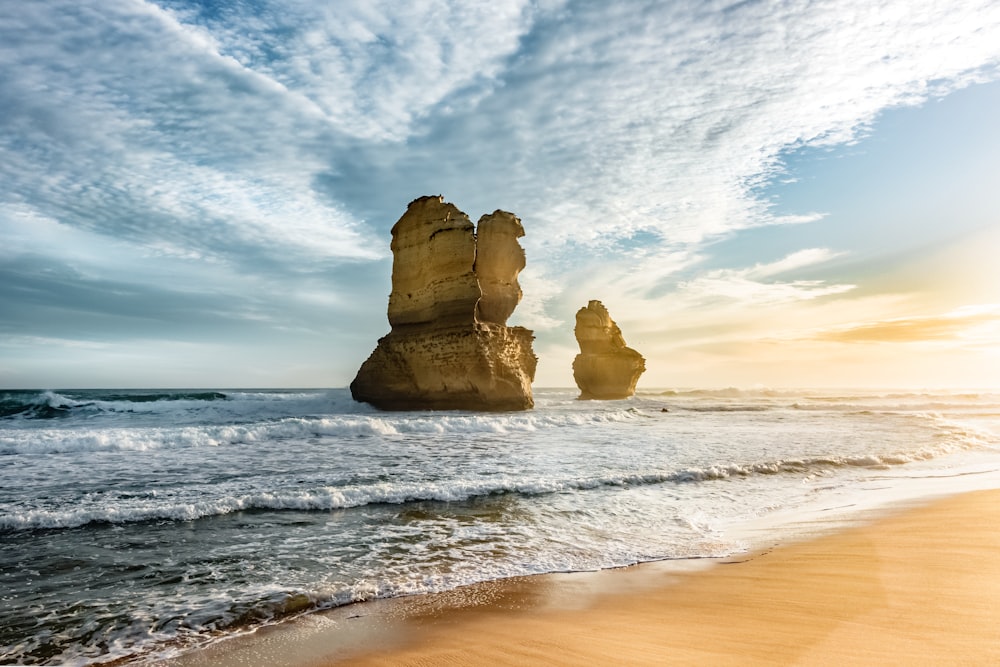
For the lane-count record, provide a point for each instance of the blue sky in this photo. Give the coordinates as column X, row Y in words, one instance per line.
column 762, row 193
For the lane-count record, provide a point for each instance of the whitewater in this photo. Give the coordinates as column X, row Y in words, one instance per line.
column 137, row 524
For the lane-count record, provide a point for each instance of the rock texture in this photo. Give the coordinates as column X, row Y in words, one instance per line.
column 499, row 258
column 453, row 289
column 433, row 258
column 606, row 368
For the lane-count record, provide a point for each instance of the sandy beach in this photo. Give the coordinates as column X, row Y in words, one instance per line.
column 919, row 585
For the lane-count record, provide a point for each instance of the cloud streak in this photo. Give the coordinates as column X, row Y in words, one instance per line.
column 969, row 325
column 177, row 145
column 679, row 112
column 264, row 149
column 753, row 286
column 602, row 122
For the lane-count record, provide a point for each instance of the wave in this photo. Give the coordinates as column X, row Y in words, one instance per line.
column 179, row 403
column 146, row 507
column 57, row 441
column 241, row 405
column 724, row 408
column 50, row 404
column 747, row 400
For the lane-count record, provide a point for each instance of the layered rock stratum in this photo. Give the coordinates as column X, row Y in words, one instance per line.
column 606, row 368
column 453, row 288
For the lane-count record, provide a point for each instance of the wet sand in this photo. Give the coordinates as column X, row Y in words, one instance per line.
column 918, row 586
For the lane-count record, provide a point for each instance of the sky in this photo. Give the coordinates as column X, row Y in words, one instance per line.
column 763, row 194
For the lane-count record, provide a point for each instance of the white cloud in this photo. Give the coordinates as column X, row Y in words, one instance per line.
column 173, row 145
column 797, row 260
column 531, row 312
column 732, row 285
column 751, row 286
column 372, row 68
column 280, row 136
column 596, row 121
column 680, row 110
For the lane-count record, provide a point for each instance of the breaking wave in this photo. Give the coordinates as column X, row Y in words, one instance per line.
column 53, row 405
column 55, row 440
column 147, row 506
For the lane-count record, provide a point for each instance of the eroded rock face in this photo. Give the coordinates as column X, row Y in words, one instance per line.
column 606, row 368
column 433, row 254
column 499, row 258
column 452, row 292
column 477, row 367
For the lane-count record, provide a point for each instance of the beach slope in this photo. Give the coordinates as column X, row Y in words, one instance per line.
column 919, row 586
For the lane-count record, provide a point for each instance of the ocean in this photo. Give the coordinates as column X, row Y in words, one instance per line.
column 137, row 524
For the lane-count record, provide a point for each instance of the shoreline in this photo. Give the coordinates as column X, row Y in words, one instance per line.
column 916, row 584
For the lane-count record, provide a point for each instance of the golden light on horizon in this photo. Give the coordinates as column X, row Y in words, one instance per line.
column 975, row 324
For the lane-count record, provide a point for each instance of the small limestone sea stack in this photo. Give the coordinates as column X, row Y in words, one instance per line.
column 605, row 369
column 453, row 288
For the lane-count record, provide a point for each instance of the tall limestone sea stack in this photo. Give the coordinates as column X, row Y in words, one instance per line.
column 606, row 368
column 453, row 288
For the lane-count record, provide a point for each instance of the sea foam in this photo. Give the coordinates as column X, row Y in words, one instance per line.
column 145, row 520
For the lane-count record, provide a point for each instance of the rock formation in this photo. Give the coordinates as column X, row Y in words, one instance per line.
column 453, row 289
column 499, row 258
column 606, row 368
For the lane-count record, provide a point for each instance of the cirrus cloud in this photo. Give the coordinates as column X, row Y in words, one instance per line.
column 265, row 148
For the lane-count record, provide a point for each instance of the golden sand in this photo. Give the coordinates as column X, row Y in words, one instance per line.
column 921, row 587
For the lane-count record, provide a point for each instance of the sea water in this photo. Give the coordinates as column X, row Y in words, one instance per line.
column 143, row 523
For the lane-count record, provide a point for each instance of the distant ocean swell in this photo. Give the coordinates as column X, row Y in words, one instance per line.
column 826, row 395
column 43, row 405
